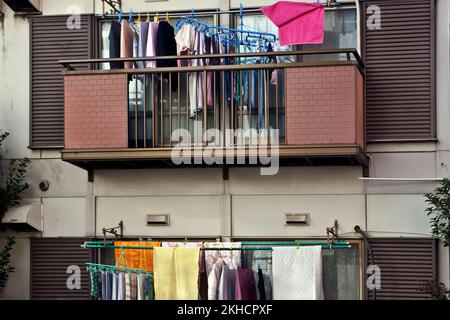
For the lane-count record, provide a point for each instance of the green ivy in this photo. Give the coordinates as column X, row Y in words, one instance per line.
column 10, row 195
column 5, row 260
column 438, row 210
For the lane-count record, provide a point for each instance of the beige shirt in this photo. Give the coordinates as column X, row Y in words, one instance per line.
column 126, row 43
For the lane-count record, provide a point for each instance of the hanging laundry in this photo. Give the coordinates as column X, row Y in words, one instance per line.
column 227, row 285
column 260, row 261
column 185, row 40
column 181, row 244
column 176, row 273
column 245, row 284
column 121, row 290
column 96, row 283
column 261, row 285
column 103, row 277
column 216, row 260
column 127, row 286
column 135, row 258
column 215, row 264
column 115, row 286
column 114, row 44
column 209, row 75
column 297, row 22
column 232, row 258
column 135, row 47
column 149, row 290
column 190, row 42
column 167, row 46
column 151, row 43
column 186, row 271
column 143, row 38
column 202, row 278
column 109, row 285
column 297, row 273
column 133, row 293
column 126, row 43
column 141, row 286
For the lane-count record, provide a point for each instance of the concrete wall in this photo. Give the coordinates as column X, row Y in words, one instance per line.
column 200, row 202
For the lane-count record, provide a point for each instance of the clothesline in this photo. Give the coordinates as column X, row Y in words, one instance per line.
column 198, row 13
column 325, row 245
column 113, row 268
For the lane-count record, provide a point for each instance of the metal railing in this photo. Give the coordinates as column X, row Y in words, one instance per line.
column 238, row 100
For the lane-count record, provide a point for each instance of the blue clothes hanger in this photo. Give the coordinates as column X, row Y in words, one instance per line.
column 130, row 17
column 120, row 16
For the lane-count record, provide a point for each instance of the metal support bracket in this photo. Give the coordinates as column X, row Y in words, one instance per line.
column 332, row 232
column 113, row 231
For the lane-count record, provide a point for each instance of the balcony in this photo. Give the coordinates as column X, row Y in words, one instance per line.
column 312, row 111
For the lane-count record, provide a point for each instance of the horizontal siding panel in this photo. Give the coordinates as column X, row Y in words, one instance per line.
column 400, row 70
column 51, row 41
column 49, row 261
column 405, row 264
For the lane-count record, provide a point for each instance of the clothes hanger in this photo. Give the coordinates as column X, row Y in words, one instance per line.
column 156, row 19
column 130, row 17
column 148, row 17
column 139, row 18
column 120, row 17
column 167, row 17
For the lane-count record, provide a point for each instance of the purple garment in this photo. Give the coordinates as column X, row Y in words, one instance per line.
column 245, row 285
column 202, row 278
column 227, row 284
column 142, row 49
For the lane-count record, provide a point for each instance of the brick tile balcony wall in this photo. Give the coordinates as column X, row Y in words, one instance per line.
column 324, row 106
column 95, row 114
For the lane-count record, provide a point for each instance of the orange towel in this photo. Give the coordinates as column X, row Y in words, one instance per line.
column 136, row 258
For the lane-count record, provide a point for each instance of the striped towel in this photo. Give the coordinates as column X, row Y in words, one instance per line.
column 121, row 287
column 133, row 286
column 127, row 286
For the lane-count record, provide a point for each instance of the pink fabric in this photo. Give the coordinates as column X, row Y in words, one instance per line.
column 297, row 22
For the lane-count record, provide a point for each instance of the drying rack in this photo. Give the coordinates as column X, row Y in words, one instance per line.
column 238, row 37
column 248, row 246
column 245, row 246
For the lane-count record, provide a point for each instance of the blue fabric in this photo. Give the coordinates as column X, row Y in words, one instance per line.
column 261, row 100
column 103, row 275
column 149, row 287
column 109, row 284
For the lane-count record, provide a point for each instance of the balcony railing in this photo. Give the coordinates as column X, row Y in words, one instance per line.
column 310, row 108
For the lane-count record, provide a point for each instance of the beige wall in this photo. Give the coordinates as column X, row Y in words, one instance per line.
column 200, row 202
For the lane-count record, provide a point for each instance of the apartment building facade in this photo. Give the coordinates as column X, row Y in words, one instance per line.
column 360, row 141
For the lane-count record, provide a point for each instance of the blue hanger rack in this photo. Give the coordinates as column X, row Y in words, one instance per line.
column 226, row 35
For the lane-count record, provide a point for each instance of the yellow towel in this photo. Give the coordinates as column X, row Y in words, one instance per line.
column 186, row 269
column 136, row 258
column 176, row 273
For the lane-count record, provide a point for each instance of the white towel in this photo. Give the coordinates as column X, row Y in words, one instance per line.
column 297, row 273
column 115, row 286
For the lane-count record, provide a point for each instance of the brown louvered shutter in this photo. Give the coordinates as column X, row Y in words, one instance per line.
column 51, row 40
column 400, row 71
column 50, row 258
column 405, row 264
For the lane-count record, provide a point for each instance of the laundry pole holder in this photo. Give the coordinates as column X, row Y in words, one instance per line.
column 117, row 232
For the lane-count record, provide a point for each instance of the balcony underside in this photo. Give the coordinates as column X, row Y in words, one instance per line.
column 313, row 155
